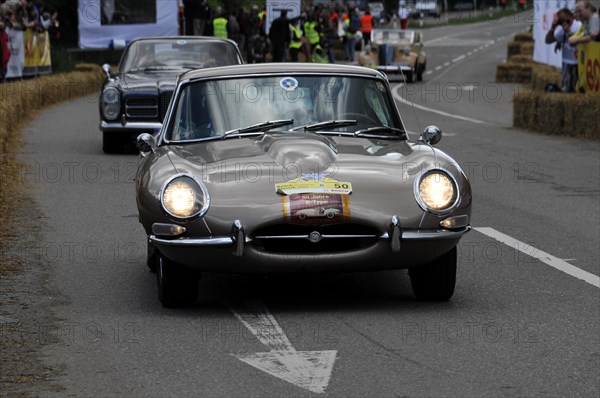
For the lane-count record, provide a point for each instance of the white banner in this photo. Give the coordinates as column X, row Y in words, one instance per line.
column 543, row 14
column 105, row 22
column 274, row 9
column 16, row 43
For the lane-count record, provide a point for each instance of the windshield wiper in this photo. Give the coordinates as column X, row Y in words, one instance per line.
column 150, row 69
column 382, row 129
column 325, row 125
column 263, row 126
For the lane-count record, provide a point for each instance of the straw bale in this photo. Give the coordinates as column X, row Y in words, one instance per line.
column 550, row 113
column 524, row 109
column 542, row 75
column 520, row 59
column 582, row 116
column 524, row 37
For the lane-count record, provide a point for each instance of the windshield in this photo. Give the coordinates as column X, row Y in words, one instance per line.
column 177, row 53
column 210, row 108
column 393, row 36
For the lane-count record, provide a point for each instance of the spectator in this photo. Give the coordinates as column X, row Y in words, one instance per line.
column 564, row 26
column 296, row 39
column 586, row 13
column 312, row 32
column 280, row 36
column 4, row 51
column 196, row 13
column 366, row 26
column 403, row 15
column 219, row 24
column 352, row 26
column 250, row 27
column 233, row 30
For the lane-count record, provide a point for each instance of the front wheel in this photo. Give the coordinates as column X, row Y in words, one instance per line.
column 177, row 286
column 435, row 281
column 420, row 70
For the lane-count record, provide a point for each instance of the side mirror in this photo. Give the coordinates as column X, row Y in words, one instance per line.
column 145, row 143
column 107, row 71
column 431, row 135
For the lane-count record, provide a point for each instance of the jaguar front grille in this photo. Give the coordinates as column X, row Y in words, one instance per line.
column 335, row 238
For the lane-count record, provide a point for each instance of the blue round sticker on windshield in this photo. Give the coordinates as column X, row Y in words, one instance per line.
column 288, row 83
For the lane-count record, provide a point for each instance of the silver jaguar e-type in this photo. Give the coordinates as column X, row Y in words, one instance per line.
column 281, row 168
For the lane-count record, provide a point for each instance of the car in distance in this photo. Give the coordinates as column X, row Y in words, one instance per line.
column 396, row 52
column 271, row 168
column 426, row 8
column 134, row 99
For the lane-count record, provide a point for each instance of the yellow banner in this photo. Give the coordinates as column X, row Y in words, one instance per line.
column 588, row 56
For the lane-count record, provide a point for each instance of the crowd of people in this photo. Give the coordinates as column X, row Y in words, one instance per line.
column 22, row 15
column 569, row 29
column 311, row 35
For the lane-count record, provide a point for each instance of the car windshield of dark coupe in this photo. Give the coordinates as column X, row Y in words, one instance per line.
column 184, row 53
column 213, row 108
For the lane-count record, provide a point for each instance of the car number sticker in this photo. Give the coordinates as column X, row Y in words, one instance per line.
column 324, row 185
column 288, row 83
column 316, row 208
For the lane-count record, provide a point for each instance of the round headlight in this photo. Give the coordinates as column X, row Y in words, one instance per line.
column 437, row 191
column 111, row 103
column 184, row 197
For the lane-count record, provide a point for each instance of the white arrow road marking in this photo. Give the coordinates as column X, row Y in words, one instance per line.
column 544, row 257
column 310, row 370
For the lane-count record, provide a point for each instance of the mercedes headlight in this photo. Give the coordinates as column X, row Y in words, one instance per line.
column 436, row 191
column 111, row 103
column 184, row 197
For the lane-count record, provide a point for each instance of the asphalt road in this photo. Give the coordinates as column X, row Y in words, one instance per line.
column 521, row 323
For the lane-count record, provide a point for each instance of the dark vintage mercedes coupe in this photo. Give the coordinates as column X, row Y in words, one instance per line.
column 283, row 168
column 134, row 99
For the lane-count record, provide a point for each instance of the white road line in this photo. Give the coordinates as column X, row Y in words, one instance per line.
column 399, row 98
column 310, row 370
column 459, row 58
column 544, row 257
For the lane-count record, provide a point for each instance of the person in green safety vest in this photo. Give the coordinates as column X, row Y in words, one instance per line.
column 296, row 41
column 312, row 32
column 219, row 24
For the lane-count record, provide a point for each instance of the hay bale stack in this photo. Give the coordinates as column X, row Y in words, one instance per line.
column 550, row 112
column 524, row 105
column 576, row 115
column 582, row 115
column 513, row 73
column 19, row 100
column 524, row 37
column 542, row 75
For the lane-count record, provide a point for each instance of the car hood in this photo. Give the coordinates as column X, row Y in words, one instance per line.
column 143, row 82
column 241, row 174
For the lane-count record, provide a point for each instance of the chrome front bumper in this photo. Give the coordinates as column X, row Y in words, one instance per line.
column 238, row 238
column 131, row 127
column 394, row 68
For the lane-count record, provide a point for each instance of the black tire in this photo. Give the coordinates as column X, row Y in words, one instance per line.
column 110, row 142
column 177, row 286
column 436, row 280
column 420, row 70
column 409, row 77
column 152, row 257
